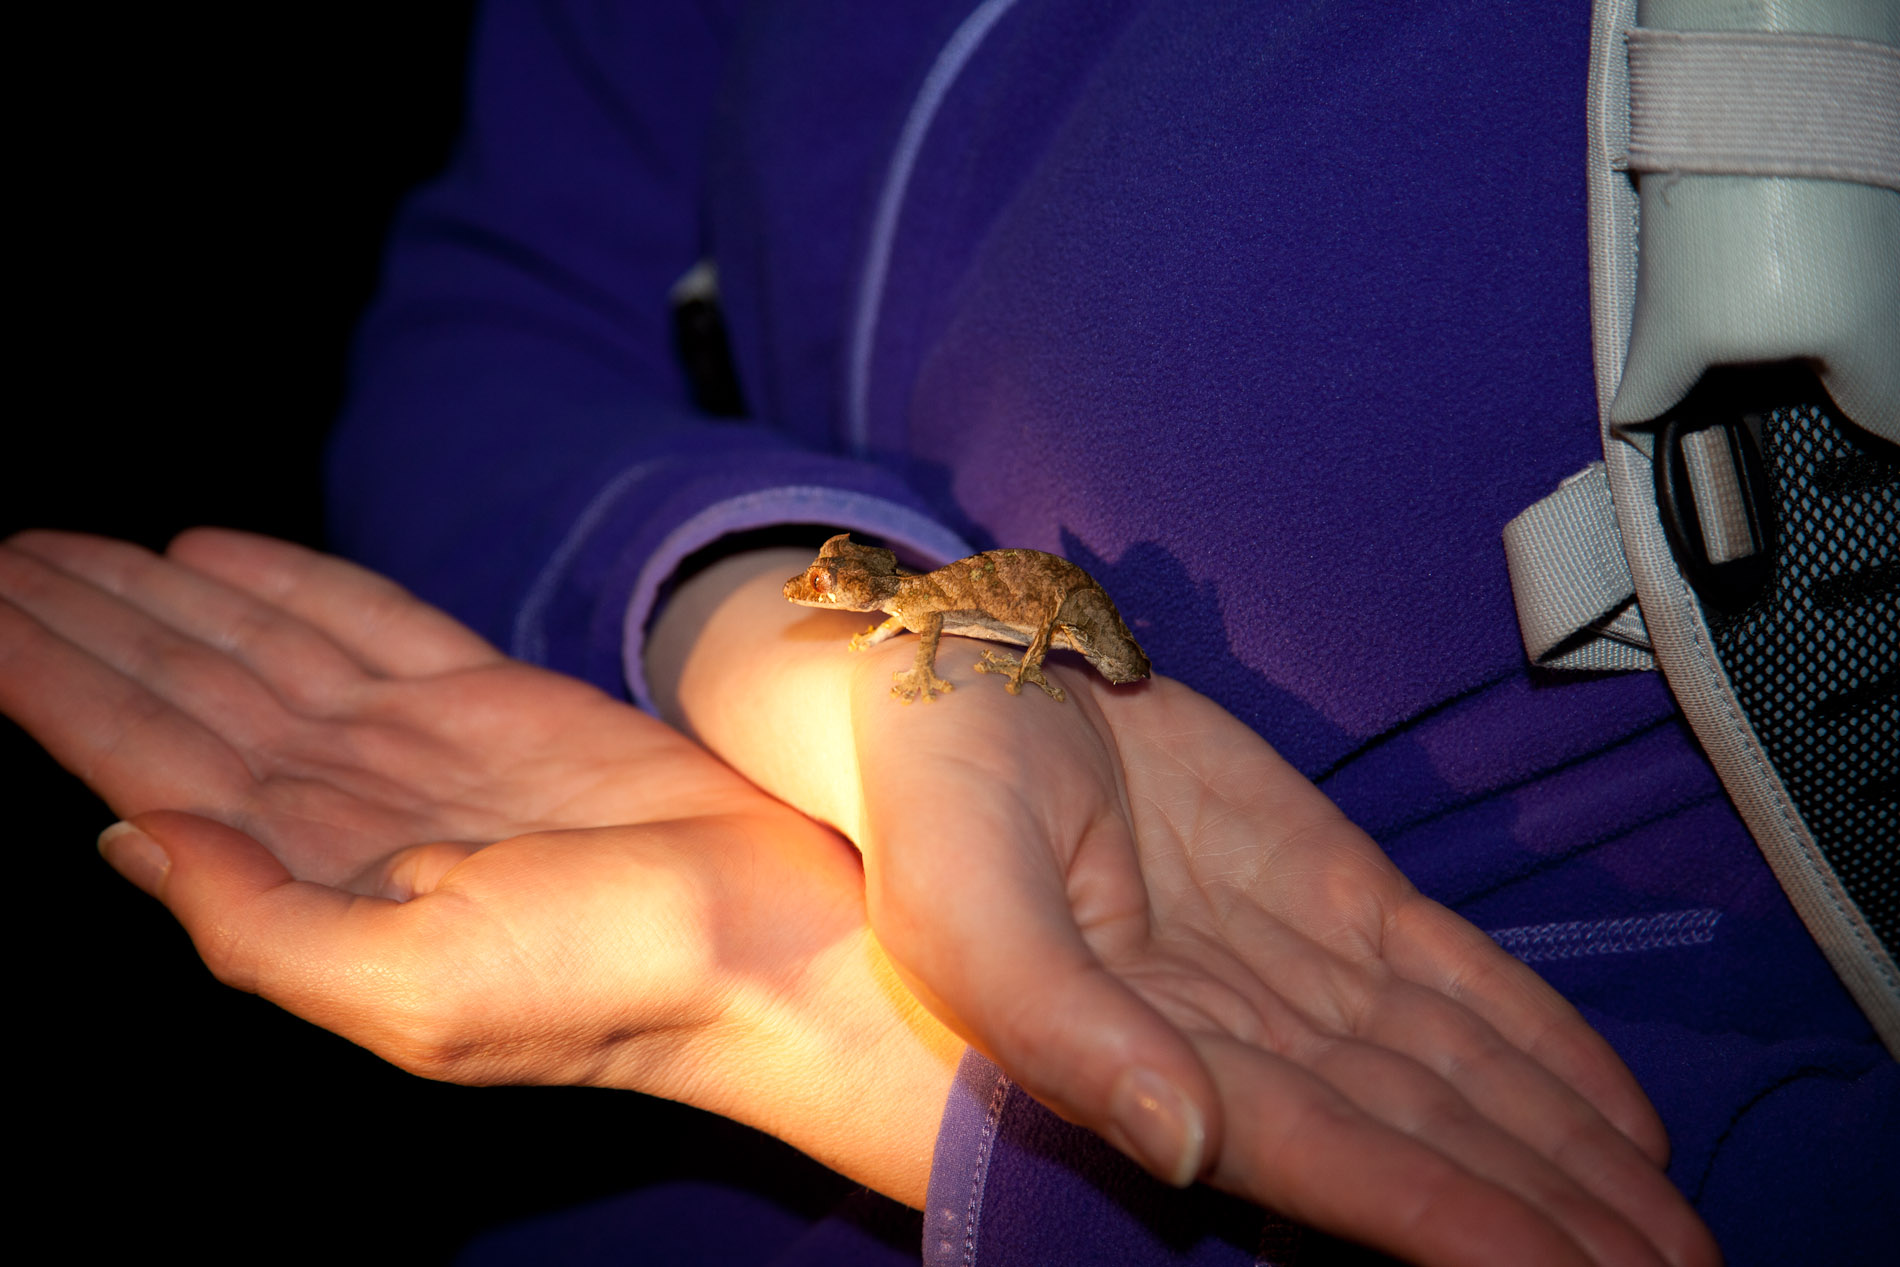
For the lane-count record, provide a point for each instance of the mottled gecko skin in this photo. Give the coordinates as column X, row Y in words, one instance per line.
column 1024, row 597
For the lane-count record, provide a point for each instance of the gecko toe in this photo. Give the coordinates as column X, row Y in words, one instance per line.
column 996, row 662
column 913, row 683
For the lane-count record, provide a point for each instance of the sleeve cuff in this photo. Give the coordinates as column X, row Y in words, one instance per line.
column 586, row 609
column 953, row 1208
column 1013, row 1185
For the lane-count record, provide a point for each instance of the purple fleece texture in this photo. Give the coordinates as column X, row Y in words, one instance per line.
column 688, row 1224
column 1270, row 314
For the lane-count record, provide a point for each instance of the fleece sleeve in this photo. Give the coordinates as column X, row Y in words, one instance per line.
column 520, row 446
column 1013, row 1185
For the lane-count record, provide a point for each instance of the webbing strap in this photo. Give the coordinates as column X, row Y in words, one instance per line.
column 1576, row 603
column 1764, row 103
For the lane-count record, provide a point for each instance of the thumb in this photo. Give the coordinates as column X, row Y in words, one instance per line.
column 256, row 927
column 1004, row 965
column 215, row 853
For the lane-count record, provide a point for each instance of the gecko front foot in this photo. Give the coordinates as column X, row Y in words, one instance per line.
column 911, row 683
column 1017, row 673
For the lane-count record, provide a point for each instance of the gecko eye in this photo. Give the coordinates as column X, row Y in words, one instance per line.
column 820, row 578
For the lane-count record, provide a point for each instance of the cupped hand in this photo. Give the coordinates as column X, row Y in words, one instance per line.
column 483, row 871
column 1165, row 932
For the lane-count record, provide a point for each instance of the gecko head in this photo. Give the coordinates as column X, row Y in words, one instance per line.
column 1098, row 632
column 1114, row 653
column 846, row 576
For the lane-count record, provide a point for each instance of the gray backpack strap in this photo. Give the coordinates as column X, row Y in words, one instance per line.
column 1749, row 379
column 1576, row 602
column 1764, row 103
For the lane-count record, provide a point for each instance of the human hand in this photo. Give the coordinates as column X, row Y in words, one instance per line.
column 1164, row 932
column 480, row 870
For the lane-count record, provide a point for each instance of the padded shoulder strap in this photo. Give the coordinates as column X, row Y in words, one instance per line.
column 1749, row 379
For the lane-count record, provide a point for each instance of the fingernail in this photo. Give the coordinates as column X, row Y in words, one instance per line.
column 135, row 856
column 1161, row 1126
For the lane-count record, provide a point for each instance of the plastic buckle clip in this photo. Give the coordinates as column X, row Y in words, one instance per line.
column 1712, row 490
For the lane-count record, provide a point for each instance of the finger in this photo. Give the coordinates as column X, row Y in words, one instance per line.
column 988, row 940
column 1428, row 944
column 1313, row 993
column 127, row 744
column 1407, row 1096
column 205, row 684
column 297, row 662
column 1529, row 1103
column 371, row 617
column 1311, row 1154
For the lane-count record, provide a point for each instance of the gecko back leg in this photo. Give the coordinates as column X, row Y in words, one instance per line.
column 1029, row 667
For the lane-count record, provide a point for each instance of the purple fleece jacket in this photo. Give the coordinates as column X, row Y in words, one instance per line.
column 1270, row 314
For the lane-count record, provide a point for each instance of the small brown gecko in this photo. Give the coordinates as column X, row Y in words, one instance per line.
column 1024, row 597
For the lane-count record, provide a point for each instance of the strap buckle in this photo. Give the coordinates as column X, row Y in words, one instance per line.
column 1712, row 490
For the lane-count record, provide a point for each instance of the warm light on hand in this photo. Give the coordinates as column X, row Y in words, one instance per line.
column 1162, row 930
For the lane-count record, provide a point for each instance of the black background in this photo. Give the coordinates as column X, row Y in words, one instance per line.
column 203, row 194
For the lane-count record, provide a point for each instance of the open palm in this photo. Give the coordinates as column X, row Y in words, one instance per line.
column 1194, row 907
column 481, row 870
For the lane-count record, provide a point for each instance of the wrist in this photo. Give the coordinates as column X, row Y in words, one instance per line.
column 811, row 1037
column 848, row 1067
column 764, row 684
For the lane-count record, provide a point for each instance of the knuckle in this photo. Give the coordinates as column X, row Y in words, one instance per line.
column 429, row 1041
column 232, row 954
column 25, row 579
column 1577, row 1142
column 191, row 539
column 383, row 604
column 408, row 1010
column 118, row 566
column 424, row 1030
column 1457, row 1040
column 429, row 1022
column 246, row 626
column 17, row 633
